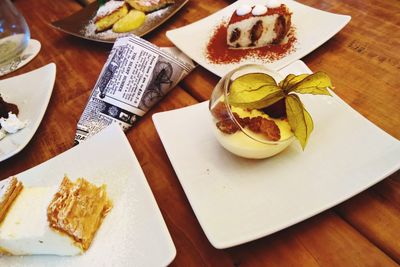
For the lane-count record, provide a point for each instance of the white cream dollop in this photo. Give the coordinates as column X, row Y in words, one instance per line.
column 273, row 3
column 12, row 124
column 243, row 10
column 259, row 10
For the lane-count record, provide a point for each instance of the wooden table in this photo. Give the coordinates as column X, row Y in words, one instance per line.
column 363, row 60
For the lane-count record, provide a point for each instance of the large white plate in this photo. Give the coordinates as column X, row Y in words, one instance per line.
column 313, row 28
column 134, row 232
column 31, row 93
column 238, row 200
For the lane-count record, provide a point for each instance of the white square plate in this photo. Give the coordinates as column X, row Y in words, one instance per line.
column 134, row 232
column 237, row 200
column 31, row 93
column 313, row 28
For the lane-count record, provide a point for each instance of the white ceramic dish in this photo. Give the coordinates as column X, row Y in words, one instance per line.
column 313, row 28
column 134, row 232
column 238, row 200
column 31, row 93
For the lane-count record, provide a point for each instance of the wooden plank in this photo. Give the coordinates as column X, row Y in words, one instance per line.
column 376, row 218
column 200, row 83
column 389, row 189
column 368, row 57
column 324, row 240
column 335, row 243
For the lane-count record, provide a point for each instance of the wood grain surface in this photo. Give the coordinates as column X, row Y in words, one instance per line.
column 363, row 61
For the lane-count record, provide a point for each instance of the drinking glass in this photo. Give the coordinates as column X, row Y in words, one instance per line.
column 14, row 32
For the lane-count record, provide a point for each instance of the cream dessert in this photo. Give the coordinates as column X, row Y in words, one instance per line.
column 54, row 220
column 252, row 133
column 259, row 25
column 26, row 231
column 257, row 114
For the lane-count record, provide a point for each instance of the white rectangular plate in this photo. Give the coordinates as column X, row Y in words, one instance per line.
column 134, row 232
column 313, row 28
column 237, row 200
column 31, row 93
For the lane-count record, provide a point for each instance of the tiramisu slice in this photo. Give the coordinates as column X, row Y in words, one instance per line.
column 51, row 220
column 257, row 26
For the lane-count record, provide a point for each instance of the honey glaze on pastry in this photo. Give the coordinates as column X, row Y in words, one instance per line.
column 78, row 209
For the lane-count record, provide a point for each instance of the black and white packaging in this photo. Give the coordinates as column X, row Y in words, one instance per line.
column 137, row 75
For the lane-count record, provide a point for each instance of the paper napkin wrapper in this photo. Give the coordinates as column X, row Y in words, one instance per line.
column 136, row 75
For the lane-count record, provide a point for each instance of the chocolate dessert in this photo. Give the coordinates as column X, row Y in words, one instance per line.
column 5, row 108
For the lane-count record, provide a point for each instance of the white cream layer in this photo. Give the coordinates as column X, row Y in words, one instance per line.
column 26, row 231
column 242, row 145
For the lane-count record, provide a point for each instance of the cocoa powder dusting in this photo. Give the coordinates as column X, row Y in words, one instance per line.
column 218, row 52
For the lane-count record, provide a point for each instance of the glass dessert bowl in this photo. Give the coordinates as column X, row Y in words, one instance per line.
column 14, row 32
column 245, row 131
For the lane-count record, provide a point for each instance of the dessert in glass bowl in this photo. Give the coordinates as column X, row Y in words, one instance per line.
column 257, row 112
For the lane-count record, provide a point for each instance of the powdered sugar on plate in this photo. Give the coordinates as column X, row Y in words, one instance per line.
column 108, row 8
column 151, row 19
